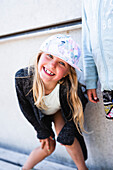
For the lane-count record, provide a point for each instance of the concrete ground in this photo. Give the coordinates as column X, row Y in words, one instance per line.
column 10, row 160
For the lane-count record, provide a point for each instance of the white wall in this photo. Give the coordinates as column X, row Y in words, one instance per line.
column 15, row 52
column 29, row 14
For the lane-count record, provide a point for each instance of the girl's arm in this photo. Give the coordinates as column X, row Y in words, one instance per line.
column 28, row 112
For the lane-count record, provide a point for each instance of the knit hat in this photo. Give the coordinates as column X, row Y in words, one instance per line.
column 64, row 47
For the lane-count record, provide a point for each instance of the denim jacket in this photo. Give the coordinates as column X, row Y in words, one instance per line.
column 97, row 35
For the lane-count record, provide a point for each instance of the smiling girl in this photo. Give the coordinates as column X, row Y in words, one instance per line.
column 49, row 92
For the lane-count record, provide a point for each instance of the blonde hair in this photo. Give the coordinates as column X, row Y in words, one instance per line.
column 75, row 102
column 38, row 87
column 72, row 96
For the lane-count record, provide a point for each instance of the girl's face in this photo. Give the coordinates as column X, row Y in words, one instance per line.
column 51, row 69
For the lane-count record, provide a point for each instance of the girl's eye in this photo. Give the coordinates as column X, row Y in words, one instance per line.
column 62, row 63
column 50, row 55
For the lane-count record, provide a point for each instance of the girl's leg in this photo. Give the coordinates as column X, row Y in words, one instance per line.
column 74, row 150
column 38, row 155
column 76, row 154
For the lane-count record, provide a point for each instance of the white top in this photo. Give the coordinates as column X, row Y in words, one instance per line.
column 52, row 101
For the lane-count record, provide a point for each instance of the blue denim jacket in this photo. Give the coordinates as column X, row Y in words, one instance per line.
column 97, row 34
column 43, row 123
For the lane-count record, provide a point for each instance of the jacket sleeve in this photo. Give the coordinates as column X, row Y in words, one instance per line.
column 82, row 95
column 28, row 112
column 90, row 70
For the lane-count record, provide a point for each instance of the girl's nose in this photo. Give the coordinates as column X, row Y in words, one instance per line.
column 53, row 64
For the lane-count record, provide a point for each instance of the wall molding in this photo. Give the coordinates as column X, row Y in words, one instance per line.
column 49, row 29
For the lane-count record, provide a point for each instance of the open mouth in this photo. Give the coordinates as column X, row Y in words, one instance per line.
column 48, row 72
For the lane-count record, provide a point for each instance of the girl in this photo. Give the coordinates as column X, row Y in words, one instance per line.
column 48, row 92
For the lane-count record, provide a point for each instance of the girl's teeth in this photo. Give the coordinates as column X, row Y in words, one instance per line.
column 49, row 72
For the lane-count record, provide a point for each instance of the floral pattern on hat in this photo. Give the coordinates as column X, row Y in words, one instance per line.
column 64, row 47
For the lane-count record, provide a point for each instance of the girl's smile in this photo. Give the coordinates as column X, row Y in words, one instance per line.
column 52, row 69
column 48, row 72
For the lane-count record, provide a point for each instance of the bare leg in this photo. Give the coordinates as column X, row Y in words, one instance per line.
column 76, row 154
column 38, row 155
column 74, row 150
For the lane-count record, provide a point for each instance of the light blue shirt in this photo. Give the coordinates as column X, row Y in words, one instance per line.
column 97, row 36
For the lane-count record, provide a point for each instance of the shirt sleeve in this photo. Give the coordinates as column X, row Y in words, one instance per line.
column 28, row 112
column 90, row 70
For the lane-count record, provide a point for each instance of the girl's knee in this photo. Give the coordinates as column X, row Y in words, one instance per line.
column 51, row 149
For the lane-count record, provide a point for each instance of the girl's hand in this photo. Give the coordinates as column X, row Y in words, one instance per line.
column 92, row 95
column 46, row 142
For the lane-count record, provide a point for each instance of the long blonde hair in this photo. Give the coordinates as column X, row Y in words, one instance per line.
column 72, row 96
column 75, row 102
